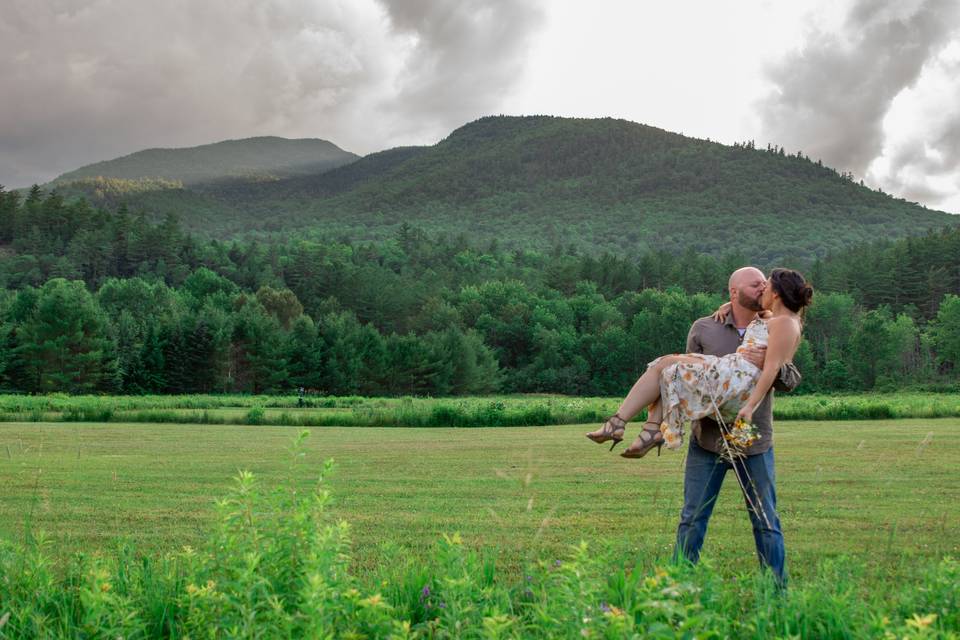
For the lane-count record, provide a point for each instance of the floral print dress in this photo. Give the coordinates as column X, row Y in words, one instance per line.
column 693, row 390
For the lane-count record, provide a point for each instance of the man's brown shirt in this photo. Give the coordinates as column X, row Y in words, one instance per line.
column 714, row 338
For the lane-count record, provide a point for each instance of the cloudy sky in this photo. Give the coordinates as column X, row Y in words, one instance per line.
column 868, row 86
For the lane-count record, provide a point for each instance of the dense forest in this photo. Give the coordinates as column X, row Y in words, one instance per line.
column 95, row 300
column 531, row 183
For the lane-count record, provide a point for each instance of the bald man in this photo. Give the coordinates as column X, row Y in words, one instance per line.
column 705, row 467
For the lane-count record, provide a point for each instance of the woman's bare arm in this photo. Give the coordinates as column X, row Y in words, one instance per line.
column 781, row 340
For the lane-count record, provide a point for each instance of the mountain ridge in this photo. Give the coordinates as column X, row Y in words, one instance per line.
column 605, row 184
column 259, row 156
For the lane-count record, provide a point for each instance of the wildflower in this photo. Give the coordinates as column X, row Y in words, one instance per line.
column 375, row 600
column 556, row 563
column 105, row 587
column 921, row 622
column 425, row 593
column 611, row 610
column 529, row 578
column 442, row 605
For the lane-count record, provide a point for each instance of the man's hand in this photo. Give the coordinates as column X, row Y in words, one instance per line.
column 754, row 355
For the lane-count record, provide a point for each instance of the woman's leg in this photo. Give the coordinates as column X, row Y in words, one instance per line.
column 655, row 412
column 650, row 436
column 645, row 391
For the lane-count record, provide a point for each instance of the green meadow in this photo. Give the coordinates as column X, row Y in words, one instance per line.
column 137, row 529
column 884, row 491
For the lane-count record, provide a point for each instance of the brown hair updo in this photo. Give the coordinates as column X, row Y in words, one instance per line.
column 795, row 292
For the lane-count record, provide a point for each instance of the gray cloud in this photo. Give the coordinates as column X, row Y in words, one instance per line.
column 87, row 80
column 442, row 78
column 831, row 97
column 923, row 163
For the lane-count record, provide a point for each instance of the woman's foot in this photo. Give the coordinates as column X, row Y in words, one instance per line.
column 612, row 429
column 649, row 438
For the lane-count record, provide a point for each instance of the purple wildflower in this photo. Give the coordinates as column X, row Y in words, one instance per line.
column 425, row 593
column 556, row 563
column 604, row 607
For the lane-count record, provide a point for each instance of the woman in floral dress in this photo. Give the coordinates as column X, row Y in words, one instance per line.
column 686, row 387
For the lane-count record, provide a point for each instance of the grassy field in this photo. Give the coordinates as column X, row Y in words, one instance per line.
column 883, row 491
column 483, row 411
column 869, row 508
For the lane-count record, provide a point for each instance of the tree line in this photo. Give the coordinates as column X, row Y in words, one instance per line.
column 104, row 302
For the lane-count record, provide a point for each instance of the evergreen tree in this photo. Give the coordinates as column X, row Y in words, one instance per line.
column 65, row 342
column 945, row 333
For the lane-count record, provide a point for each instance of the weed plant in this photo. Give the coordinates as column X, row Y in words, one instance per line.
column 277, row 566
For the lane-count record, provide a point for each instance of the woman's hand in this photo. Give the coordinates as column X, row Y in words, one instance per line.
column 720, row 315
column 746, row 413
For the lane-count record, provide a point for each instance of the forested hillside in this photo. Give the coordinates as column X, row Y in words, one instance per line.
column 102, row 301
column 534, row 182
column 256, row 159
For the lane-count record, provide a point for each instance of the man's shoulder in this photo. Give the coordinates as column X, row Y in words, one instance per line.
column 705, row 321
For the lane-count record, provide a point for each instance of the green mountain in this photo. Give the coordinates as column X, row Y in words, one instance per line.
column 256, row 159
column 600, row 184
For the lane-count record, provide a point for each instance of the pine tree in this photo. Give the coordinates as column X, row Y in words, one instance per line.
column 65, row 342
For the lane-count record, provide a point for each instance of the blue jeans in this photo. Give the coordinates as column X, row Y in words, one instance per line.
column 702, row 479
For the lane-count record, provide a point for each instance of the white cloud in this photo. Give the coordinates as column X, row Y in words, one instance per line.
column 875, row 94
column 920, row 159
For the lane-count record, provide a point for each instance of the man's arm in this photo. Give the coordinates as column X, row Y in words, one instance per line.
column 693, row 340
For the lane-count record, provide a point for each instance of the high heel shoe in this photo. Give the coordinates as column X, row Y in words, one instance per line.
column 610, row 431
column 650, row 437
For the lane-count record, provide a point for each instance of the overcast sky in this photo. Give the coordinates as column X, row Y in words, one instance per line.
column 868, row 86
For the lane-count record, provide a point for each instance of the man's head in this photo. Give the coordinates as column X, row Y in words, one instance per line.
column 746, row 287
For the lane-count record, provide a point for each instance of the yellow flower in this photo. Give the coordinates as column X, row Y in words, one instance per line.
column 376, row 600
column 921, row 622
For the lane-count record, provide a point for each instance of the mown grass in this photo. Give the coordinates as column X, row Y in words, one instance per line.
column 274, row 563
column 884, row 492
column 526, row 410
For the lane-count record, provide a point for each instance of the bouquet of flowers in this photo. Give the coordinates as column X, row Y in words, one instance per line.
column 742, row 434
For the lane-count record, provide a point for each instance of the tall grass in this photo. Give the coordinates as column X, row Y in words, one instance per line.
column 497, row 411
column 276, row 565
